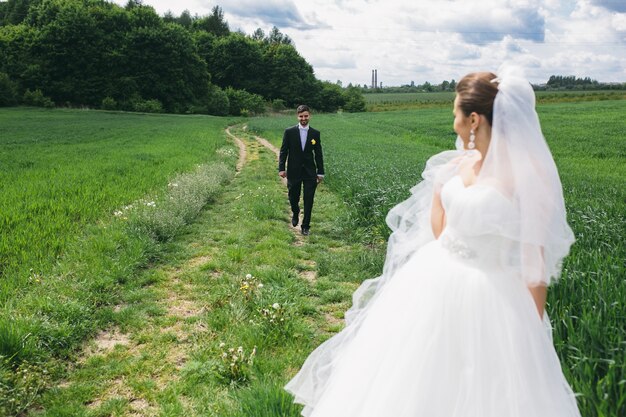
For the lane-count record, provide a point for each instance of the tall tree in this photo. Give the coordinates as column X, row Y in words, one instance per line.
column 213, row 23
column 13, row 12
column 276, row 37
column 185, row 19
column 288, row 76
column 164, row 64
column 236, row 61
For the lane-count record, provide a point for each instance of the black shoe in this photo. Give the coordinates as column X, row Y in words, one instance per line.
column 305, row 231
column 294, row 220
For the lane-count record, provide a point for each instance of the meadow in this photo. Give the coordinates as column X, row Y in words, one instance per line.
column 405, row 101
column 88, row 200
column 129, row 269
column 374, row 158
column 63, row 170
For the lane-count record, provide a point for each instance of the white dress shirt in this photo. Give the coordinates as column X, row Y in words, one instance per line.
column 304, row 131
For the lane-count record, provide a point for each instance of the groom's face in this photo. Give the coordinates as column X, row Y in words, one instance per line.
column 303, row 118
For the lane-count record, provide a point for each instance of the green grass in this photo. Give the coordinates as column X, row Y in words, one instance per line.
column 373, row 159
column 61, row 170
column 406, row 101
column 177, row 297
column 172, row 364
column 62, row 288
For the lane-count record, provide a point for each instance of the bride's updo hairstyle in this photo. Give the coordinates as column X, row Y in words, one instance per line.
column 476, row 93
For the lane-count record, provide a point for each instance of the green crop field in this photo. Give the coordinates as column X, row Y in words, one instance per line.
column 405, row 101
column 374, row 158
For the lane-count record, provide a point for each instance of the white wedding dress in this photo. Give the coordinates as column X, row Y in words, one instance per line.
column 453, row 333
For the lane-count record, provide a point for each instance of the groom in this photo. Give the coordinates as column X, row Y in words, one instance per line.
column 302, row 151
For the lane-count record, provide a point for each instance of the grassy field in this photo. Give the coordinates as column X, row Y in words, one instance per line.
column 202, row 304
column 406, row 101
column 85, row 205
column 373, row 160
column 62, row 170
column 176, row 297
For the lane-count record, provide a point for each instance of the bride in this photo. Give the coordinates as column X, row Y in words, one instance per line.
column 455, row 326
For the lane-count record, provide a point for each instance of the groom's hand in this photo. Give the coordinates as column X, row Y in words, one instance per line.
column 320, row 178
column 282, row 174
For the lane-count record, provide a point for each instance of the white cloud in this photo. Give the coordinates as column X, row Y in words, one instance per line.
column 438, row 39
column 280, row 13
column 618, row 22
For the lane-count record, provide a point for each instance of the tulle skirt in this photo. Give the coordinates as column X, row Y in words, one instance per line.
column 444, row 338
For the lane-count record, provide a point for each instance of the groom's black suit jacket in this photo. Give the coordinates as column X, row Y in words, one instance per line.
column 304, row 164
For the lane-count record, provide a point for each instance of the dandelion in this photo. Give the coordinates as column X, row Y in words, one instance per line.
column 276, row 306
column 118, row 213
column 249, row 285
column 235, row 365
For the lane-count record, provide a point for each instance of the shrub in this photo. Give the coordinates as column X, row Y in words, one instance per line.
column 243, row 102
column 109, row 103
column 37, row 99
column 8, row 91
column 217, row 101
column 148, row 106
column 278, row 105
column 354, row 101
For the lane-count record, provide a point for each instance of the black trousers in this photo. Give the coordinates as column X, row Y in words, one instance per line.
column 295, row 188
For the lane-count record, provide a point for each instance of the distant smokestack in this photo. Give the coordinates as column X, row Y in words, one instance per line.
column 375, row 78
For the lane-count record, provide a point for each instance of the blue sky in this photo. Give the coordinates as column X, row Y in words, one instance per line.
column 437, row 40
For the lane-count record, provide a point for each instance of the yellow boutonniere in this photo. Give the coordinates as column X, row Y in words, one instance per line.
column 313, row 142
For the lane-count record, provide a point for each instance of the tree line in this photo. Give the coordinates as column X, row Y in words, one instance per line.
column 555, row 82
column 571, row 82
column 412, row 88
column 98, row 54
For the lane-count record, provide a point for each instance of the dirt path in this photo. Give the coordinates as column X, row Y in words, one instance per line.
column 242, row 150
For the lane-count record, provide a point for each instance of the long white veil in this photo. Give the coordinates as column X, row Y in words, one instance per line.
column 520, row 161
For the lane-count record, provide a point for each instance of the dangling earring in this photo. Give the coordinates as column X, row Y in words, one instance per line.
column 471, row 144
